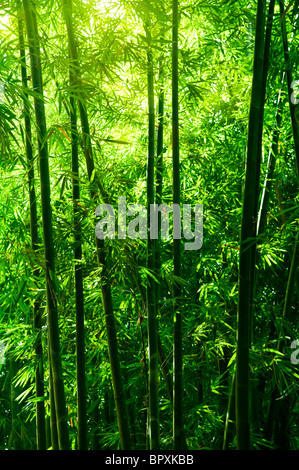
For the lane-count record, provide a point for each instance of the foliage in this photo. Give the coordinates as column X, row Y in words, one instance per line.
column 216, row 41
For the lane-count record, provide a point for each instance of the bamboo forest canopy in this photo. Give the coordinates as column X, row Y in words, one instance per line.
column 127, row 336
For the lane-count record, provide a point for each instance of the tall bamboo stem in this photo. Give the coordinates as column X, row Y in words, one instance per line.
column 248, row 233
column 151, row 297
column 177, row 347
column 35, row 245
column 53, row 328
column 95, row 185
column 80, row 329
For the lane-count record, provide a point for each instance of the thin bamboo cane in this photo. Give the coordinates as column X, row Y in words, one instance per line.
column 154, row 430
column 247, row 238
column 178, row 434
column 35, row 245
column 53, row 328
column 80, row 328
column 95, row 184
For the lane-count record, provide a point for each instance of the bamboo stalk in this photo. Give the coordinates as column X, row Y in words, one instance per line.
column 292, row 105
column 35, row 245
column 154, row 430
column 178, row 434
column 265, row 66
column 80, row 329
column 95, row 184
column 248, row 233
column 53, row 328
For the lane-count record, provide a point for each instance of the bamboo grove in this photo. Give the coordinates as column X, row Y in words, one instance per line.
column 139, row 342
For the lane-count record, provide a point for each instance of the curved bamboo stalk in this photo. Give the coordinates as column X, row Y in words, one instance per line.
column 95, row 184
